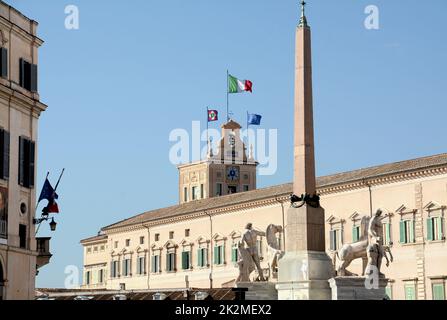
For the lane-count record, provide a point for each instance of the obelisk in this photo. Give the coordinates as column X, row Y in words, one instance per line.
column 304, row 271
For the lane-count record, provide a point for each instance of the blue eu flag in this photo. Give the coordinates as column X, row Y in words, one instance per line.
column 48, row 192
column 254, row 119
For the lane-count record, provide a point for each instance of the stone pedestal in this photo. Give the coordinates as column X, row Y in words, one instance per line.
column 304, row 276
column 305, row 269
column 259, row 290
column 355, row 288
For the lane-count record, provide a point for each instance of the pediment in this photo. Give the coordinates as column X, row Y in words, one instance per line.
column 433, row 205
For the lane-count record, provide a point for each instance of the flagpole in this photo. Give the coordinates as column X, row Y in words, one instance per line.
column 59, row 180
column 207, row 128
column 248, row 133
column 228, row 96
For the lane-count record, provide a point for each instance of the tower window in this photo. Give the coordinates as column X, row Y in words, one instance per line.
column 232, row 189
column 246, row 188
column 185, row 194
column 202, row 191
column 219, row 189
column 194, row 193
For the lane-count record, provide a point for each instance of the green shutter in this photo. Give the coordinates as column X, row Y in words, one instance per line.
column 199, row 258
column 221, row 255
column 183, row 261
column 216, row 255
column 387, row 234
column 410, row 292
column 234, row 255
column 430, row 229
column 332, row 241
column 403, row 232
column 354, row 234
column 389, row 293
column 440, row 228
column 412, row 239
column 438, row 291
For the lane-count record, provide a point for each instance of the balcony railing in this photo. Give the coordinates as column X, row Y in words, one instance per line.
column 43, row 250
column 3, row 229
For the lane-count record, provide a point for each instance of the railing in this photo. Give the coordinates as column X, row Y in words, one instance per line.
column 43, row 250
column 43, row 246
column 3, row 229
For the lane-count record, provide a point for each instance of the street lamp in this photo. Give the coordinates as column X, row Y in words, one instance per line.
column 53, row 225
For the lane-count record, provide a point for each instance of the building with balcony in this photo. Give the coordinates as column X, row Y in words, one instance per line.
column 20, row 109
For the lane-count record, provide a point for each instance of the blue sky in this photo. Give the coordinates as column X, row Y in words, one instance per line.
column 136, row 70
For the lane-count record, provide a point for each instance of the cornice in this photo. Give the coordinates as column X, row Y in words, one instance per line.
column 20, row 32
column 20, row 101
column 381, row 180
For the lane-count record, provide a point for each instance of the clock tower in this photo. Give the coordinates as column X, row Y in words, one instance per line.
column 225, row 172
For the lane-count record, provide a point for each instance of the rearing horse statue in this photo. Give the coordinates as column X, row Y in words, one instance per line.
column 356, row 250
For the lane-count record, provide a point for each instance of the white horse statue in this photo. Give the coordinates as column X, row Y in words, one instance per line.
column 274, row 250
column 352, row 251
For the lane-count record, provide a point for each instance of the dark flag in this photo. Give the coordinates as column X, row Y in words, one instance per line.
column 47, row 192
column 254, row 119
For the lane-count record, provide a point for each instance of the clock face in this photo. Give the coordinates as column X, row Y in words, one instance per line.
column 233, row 173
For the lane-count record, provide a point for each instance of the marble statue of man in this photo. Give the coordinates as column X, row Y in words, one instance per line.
column 375, row 233
column 250, row 237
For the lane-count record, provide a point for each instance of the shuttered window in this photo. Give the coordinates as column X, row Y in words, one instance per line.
column 355, row 233
column 141, row 265
column 334, row 236
column 4, row 150
column 386, row 234
column 410, row 292
column 218, row 255
column 438, row 291
column 186, row 260
column 389, row 292
column 407, row 231
column 126, row 267
column 170, row 262
column 202, row 257
column 435, row 228
column 26, row 162
column 101, row 276
column 219, row 189
column 28, row 75
column 4, row 63
column 156, row 264
column 234, row 253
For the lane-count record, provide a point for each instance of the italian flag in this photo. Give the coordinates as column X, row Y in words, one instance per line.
column 236, row 86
